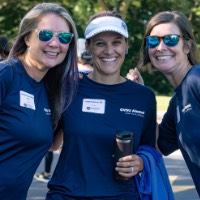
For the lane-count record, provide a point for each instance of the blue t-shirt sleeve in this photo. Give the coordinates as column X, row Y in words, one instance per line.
column 6, row 75
column 167, row 139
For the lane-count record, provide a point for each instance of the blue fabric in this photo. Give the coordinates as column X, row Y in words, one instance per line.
column 180, row 128
column 153, row 183
column 25, row 130
column 86, row 166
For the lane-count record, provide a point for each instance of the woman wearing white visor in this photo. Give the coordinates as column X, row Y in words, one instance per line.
column 105, row 103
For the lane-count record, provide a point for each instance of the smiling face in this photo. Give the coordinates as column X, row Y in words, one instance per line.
column 168, row 59
column 108, row 53
column 45, row 55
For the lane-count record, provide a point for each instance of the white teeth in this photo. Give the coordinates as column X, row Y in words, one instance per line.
column 163, row 57
column 109, row 59
column 51, row 53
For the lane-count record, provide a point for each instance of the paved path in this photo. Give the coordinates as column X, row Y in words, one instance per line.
column 181, row 181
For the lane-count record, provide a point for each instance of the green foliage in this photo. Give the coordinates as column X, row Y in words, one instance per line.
column 136, row 13
column 158, row 83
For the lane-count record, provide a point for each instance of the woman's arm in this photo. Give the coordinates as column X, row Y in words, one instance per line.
column 57, row 141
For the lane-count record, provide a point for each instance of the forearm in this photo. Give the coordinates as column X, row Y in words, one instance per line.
column 58, row 140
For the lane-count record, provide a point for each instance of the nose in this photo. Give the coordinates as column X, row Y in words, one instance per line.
column 162, row 46
column 109, row 49
column 54, row 41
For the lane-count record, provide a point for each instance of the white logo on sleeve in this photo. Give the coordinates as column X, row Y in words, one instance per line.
column 94, row 106
column 187, row 108
column 27, row 100
column 178, row 114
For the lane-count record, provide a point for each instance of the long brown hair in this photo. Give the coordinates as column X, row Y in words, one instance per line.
column 62, row 80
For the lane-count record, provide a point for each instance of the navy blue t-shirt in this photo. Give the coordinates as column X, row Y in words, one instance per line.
column 180, row 127
column 25, row 129
column 85, row 167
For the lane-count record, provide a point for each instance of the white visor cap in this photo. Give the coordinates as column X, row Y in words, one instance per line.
column 104, row 24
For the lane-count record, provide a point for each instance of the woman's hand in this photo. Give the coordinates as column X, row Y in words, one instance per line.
column 134, row 75
column 129, row 166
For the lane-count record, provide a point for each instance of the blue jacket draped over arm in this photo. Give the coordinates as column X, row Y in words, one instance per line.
column 153, row 182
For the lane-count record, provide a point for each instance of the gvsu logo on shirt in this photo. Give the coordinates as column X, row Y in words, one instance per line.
column 129, row 111
column 187, row 108
column 47, row 111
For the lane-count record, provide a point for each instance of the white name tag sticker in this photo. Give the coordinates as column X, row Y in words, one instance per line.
column 94, row 106
column 27, row 100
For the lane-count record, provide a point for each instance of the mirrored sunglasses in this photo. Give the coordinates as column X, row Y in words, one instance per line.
column 47, row 35
column 169, row 40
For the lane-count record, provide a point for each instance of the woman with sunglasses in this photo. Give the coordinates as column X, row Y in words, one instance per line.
column 169, row 46
column 37, row 83
column 105, row 103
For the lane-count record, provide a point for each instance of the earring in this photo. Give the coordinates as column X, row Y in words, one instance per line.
column 126, row 52
column 28, row 49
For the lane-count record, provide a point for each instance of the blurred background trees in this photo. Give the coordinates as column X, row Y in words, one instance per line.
column 135, row 12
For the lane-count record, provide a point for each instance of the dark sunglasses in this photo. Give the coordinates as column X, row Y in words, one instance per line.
column 47, row 35
column 169, row 40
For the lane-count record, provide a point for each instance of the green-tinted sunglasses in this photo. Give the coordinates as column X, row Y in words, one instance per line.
column 169, row 40
column 47, row 35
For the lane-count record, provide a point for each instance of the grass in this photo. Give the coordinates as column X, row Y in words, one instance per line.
column 162, row 102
